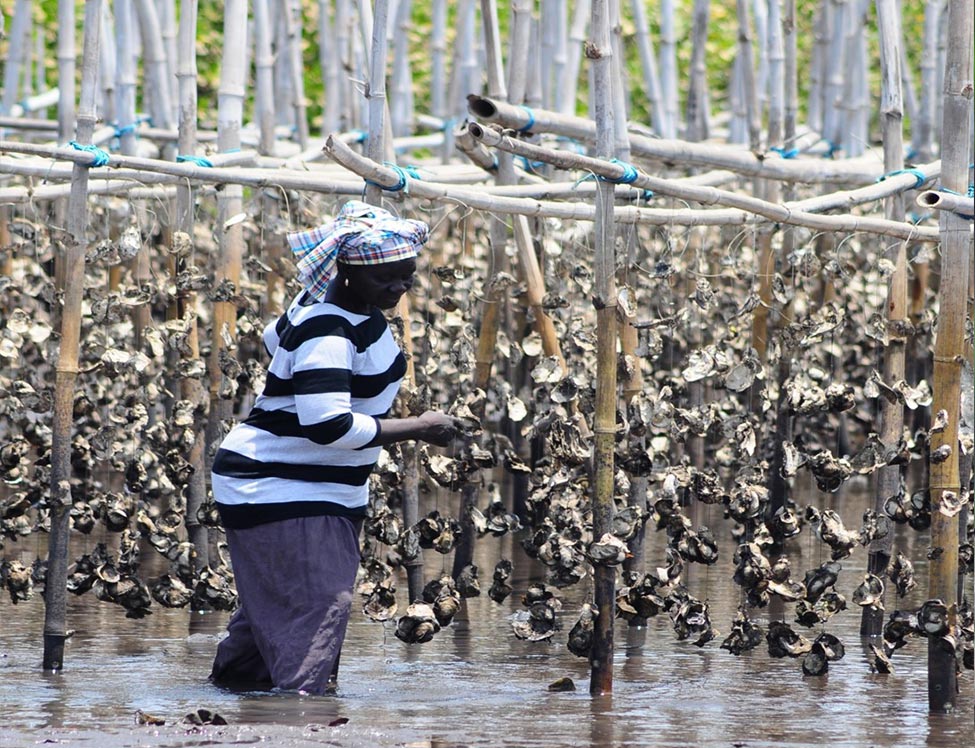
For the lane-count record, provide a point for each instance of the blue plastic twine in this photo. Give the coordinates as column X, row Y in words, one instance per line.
column 99, row 157
column 198, row 160
column 917, row 173
column 531, row 120
column 403, row 172
column 630, row 174
column 791, row 153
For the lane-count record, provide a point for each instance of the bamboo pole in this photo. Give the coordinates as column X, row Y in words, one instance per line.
column 752, row 210
column 154, row 64
column 230, row 106
column 898, row 323
column 66, row 70
column 949, row 346
column 401, row 81
column 668, row 68
column 66, row 370
column 600, row 55
column 961, row 205
column 291, row 14
column 708, row 155
column 752, row 114
column 796, row 213
column 17, row 50
column 569, row 80
column 696, row 118
column 190, row 388
column 648, row 64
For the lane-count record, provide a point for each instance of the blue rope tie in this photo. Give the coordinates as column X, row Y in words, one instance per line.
column 360, row 136
column 647, row 195
column 99, row 157
column 531, row 120
column 630, row 174
column 120, row 131
column 402, row 171
column 791, row 153
column 198, row 160
column 831, row 149
column 917, row 173
column 530, row 165
column 231, row 150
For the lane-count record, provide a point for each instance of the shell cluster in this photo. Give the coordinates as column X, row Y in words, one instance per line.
column 696, row 437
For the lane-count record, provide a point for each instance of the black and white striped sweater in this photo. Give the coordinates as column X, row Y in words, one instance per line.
column 302, row 449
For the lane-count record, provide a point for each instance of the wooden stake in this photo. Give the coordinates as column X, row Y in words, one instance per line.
column 66, row 373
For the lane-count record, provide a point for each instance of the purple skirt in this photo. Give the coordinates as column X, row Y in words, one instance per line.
column 295, row 579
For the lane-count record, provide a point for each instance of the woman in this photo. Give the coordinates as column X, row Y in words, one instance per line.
column 291, row 481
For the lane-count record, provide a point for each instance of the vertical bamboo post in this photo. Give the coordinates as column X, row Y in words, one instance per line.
column 600, row 53
column 230, row 116
column 329, row 61
column 745, row 52
column 569, row 79
column 66, row 371
column 66, row 70
column 668, row 68
column 949, row 346
column 894, row 355
column 292, row 29
column 13, row 71
column 696, row 121
column 190, row 388
column 648, row 64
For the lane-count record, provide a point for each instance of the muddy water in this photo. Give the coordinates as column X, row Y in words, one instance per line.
column 475, row 684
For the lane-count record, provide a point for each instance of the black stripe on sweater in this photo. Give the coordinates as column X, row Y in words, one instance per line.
column 362, row 335
column 233, row 465
column 318, row 381
column 242, row 516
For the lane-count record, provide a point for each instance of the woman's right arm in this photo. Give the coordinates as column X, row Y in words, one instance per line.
column 432, row 426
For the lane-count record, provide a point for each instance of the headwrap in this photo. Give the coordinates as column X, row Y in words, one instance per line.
column 361, row 234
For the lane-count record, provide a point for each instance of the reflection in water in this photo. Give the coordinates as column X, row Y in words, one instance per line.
column 476, row 685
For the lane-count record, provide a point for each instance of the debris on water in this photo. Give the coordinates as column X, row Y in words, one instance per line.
column 204, row 716
column 562, row 684
column 144, row 718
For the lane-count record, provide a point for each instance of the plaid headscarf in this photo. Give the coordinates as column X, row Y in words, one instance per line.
column 361, row 234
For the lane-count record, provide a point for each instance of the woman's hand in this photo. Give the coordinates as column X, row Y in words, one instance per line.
column 439, row 428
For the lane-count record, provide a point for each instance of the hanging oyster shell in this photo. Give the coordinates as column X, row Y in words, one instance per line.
column 815, row 662
column 500, row 589
column 607, row 551
column 898, row 629
column 745, row 635
column 417, row 625
column 784, row 642
column 581, row 633
column 819, row 580
column 170, row 592
column 870, row 592
column 832, row 532
column 932, row 618
column 467, row 584
column 901, row 573
column 380, row 604
column 16, row 579
column 880, row 660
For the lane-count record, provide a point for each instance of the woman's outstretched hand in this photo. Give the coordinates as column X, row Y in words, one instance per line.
column 439, row 428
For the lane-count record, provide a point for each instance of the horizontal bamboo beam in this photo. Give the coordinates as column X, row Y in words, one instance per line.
column 768, row 165
column 791, row 214
column 938, row 200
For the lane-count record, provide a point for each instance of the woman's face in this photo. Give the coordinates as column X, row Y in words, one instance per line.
column 381, row 285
